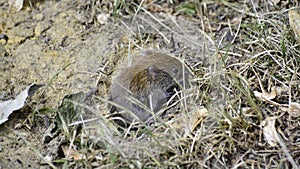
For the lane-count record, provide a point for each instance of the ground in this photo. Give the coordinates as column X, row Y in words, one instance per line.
column 243, row 55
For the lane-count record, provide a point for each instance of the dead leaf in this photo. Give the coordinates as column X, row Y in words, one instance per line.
column 294, row 109
column 7, row 107
column 189, row 121
column 294, row 18
column 265, row 95
column 273, row 138
column 18, row 4
column 269, row 130
column 72, row 153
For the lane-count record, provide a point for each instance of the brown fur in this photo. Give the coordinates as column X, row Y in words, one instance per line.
column 150, row 80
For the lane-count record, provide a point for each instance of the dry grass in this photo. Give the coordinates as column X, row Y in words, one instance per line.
column 253, row 50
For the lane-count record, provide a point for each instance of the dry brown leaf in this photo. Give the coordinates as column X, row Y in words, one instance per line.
column 294, row 18
column 189, row 121
column 294, row 109
column 269, row 130
column 72, row 153
column 9, row 106
column 273, row 138
column 265, row 95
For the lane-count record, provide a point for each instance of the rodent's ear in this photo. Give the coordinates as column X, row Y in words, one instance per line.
column 152, row 72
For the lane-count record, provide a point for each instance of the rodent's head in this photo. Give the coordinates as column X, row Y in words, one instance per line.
column 179, row 72
column 173, row 66
column 158, row 77
column 161, row 80
column 177, row 69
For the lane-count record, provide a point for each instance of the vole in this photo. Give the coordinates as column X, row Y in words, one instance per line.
column 145, row 86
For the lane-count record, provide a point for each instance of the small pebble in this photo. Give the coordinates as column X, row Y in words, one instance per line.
column 102, row 18
column 38, row 17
